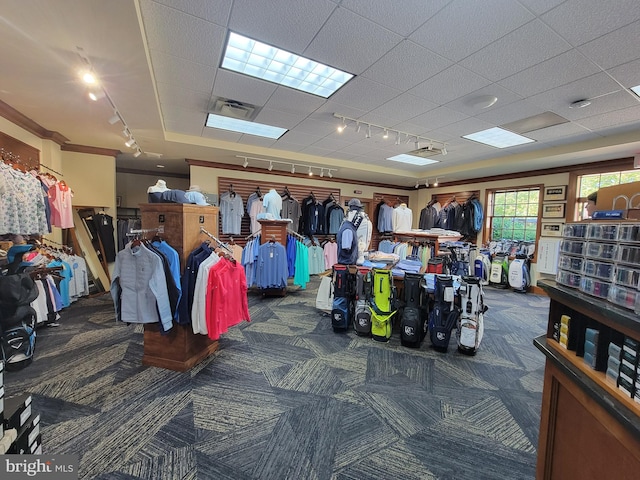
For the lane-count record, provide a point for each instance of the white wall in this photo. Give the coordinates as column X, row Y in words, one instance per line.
column 132, row 188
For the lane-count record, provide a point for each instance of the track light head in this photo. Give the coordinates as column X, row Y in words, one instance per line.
column 430, row 146
column 426, row 183
column 89, row 78
column 330, row 175
column 96, row 95
column 321, row 172
column 357, row 127
column 310, row 172
column 270, row 166
column 125, row 132
column 293, row 168
column 368, row 135
column 138, row 153
column 385, row 135
column 246, row 163
column 397, row 138
column 444, row 150
column 114, row 119
column 436, row 182
column 417, row 184
column 130, row 142
column 343, row 126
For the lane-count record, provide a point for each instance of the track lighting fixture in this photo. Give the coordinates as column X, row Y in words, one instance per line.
column 125, row 132
column 436, row 182
column 114, row 119
column 96, row 95
column 426, row 183
column 89, row 78
column 417, row 184
column 130, row 142
column 323, row 170
column 138, row 153
column 436, row 146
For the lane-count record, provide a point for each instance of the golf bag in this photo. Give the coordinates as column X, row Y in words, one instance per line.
column 17, row 320
column 519, row 276
column 499, row 276
column 342, row 310
column 471, row 321
column 438, row 265
column 460, row 256
column 362, row 315
column 413, row 326
column 444, row 316
column 482, row 266
column 383, row 304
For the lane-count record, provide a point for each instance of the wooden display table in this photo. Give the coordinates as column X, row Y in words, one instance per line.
column 589, row 429
column 419, row 236
column 179, row 349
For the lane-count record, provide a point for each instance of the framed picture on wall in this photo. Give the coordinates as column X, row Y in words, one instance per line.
column 551, row 229
column 555, row 194
column 553, row 210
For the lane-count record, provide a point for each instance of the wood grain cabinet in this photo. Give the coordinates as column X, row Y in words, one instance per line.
column 589, row 428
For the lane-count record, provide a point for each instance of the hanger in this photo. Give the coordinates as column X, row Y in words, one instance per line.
column 272, row 239
column 258, row 192
column 231, row 191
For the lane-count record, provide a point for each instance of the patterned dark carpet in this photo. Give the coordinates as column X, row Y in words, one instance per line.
column 285, row 397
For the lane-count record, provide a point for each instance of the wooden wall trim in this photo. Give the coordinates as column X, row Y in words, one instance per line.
column 22, row 121
column 280, row 173
column 23, row 154
column 582, row 169
column 108, row 152
column 133, row 171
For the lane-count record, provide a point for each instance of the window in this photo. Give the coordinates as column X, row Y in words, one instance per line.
column 513, row 214
column 588, row 184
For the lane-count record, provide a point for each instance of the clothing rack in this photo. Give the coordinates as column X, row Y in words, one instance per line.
column 252, row 235
column 133, row 233
column 52, row 170
column 295, row 234
column 220, row 243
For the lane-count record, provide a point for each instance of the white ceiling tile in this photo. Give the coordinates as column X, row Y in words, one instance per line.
column 296, row 137
column 402, row 108
column 477, row 23
column 179, row 71
column 582, row 137
column 174, row 95
column 604, row 50
column 326, row 111
column 453, row 131
column 627, row 74
column 176, row 33
column 560, row 70
column 590, row 18
column 218, row 134
column 467, row 103
column 288, row 146
column 350, row 42
column 400, row 17
column 257, row 141
column 436, row 118
column 510, row 113
column 363, row 93
column 215, row 11
column 242, row 88
column 281, row 23
column 611, row 119
column 559, row 99
column 293, row 101
column 449, row 84
column 406, row 65
column 313, row 150
column 278, row 118
column 331, row 144
column 317, row 127
column 540, row 6
column 530, row 44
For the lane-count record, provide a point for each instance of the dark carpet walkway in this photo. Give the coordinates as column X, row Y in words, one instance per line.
column 285, row 397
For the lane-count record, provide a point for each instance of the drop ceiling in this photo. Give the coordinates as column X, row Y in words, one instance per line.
column 421, row 67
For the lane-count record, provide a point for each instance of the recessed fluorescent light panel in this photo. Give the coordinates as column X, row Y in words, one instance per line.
column 498, row 137
column 411, row 159
column 242, row 126
column 260, row 60
column 636, row 90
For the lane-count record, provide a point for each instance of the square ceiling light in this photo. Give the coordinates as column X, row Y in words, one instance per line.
column 498, row 137
column 412, row 159
column 636, row 90
column 260, row 60
column 243, row 126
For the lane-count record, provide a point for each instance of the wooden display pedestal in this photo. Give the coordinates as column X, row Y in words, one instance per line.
column 180, row 349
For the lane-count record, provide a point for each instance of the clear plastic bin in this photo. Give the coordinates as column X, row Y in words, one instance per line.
column 570, row 264
column 627, row 276
column 575, row 247
column 629, row 233
column 625, row 297
column 574, row 230
column 601, row 251
column 601, row 270
column 593, row 286
column 568, row 279
column 602, row 231
column 629, row 254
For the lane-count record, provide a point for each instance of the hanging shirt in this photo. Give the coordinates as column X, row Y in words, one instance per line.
column 199, row 307
column 301, row 278
column 402, row 218
column 60, row 196
column 272, row 271
column 231, row 212
column 272, row 203
column 385, row 218
column 316, row 259
column 330, row 254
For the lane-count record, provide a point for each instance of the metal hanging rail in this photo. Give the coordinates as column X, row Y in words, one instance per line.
column 218, row 241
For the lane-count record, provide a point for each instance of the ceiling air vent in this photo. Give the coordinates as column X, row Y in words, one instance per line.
column 234, row 109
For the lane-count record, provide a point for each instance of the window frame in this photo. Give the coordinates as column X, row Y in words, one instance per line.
column 490, row 195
